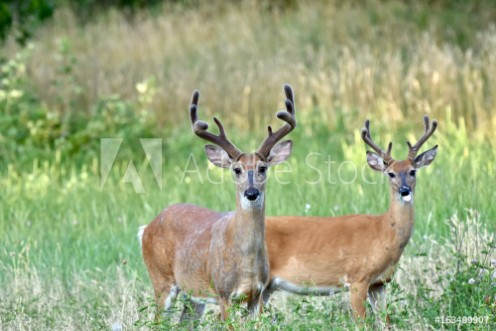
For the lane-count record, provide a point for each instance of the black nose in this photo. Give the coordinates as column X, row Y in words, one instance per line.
column 404, row 191
column 252, row 194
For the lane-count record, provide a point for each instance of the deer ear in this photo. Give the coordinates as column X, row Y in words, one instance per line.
column 280, row 152
column 375, row 161
column 218, row 156
column 425, row 158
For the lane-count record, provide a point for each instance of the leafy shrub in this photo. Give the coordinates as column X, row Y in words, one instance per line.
column 24, row 16
column 29, row 130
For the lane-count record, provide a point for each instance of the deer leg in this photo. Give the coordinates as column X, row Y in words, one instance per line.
column 358, row 297
column 224, row 307
column 255, row 306
column 164, row 298
column 377, row 299
column 192, row 311
column 267, row 292
column 165, row 291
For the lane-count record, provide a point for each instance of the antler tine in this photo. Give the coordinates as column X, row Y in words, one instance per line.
column 428, row 131
column 200, row 129
column 386, row 156
column 288, row 116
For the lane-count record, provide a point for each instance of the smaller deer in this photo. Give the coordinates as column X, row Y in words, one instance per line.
column 216, row 257
column 321, row 255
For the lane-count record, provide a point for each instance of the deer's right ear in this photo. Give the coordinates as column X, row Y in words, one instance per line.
column 280, row 152
column 218, row 156
column 375, row 161
column 425, row 158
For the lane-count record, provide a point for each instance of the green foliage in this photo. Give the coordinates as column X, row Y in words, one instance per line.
column 23, row 16
column 29, row 130
column 24, row 122
column 454, row 287
column 472, row 292
column 5, row 20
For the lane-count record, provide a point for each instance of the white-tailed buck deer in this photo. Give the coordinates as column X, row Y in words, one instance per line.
column 319, row 255
column 218, row 256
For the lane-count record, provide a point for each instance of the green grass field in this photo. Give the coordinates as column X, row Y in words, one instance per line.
column 69, row 256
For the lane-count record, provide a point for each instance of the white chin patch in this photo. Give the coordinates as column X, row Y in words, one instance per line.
column 255, row 204
column 407, row 198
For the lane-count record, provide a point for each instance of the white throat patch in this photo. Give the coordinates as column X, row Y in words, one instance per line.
column 407, row 198
column 250, row 205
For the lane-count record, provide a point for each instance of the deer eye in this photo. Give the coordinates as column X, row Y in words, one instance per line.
column 262, row 169
column 412, row 173
column 391, row 174
column 237, row 171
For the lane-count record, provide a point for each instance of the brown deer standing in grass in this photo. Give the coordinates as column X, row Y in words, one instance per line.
column 211, row 256
column 321, row 255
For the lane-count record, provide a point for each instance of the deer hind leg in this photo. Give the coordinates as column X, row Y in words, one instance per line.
column 165, row 291
column 192, row 311
column 165, row 297
column 358, row 298
column 255, row 305
column 267, row 292
column 377, row 299
column 225, row 304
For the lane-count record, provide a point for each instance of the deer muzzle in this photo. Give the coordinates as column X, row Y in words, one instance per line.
column 406, row 193
column 251, row 193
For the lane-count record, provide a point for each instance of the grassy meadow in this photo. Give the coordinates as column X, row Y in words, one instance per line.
column 69, row 256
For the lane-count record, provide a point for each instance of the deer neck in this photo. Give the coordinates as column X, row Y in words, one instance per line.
column 400, row 218
column 248, row 226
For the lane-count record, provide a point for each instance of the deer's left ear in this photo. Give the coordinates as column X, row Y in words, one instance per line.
column 425, row 158
column 375, row 161
column 218, row 156
column 280, row 152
